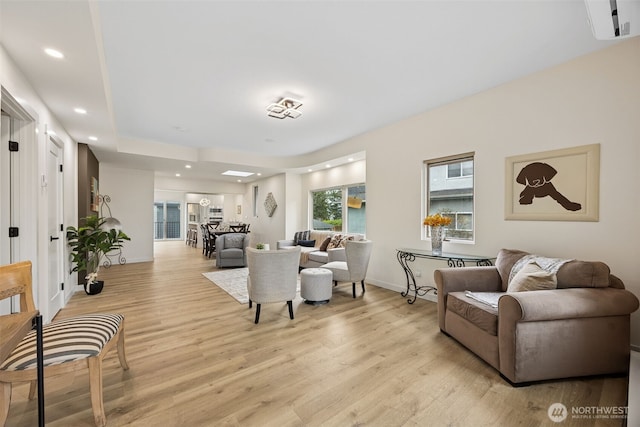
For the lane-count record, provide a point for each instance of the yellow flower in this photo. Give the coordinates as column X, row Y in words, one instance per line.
column 436, row 219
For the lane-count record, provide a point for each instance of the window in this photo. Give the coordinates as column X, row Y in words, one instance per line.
column 255, row 200
column 460, row 169
column 327, row 209
column 449, row 191
column 166, row 217
column 356, row 209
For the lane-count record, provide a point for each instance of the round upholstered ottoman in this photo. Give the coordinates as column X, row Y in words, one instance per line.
column 315, row 285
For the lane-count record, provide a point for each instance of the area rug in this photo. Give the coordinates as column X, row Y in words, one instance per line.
column 234, row 282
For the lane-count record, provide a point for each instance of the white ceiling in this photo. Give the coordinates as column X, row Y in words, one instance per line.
column 166, row 82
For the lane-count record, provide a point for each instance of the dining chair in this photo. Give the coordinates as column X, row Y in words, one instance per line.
column 69, row 345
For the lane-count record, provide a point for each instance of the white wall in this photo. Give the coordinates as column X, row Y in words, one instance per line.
column 34, row 203
column 265, row 229
column 593, row 99
column 131, row 193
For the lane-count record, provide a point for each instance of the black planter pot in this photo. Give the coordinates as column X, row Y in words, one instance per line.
column 94, row 288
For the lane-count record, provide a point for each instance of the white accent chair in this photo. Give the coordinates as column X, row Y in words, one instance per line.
column 354, row 269
column 273, row 277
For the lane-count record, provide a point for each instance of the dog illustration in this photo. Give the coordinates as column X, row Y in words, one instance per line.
column 536, row 177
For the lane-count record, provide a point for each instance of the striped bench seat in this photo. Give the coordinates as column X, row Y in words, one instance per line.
column 69, row 345
column 65, row 340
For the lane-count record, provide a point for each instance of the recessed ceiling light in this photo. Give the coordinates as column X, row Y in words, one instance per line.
column 177, row 174
column 93, row 138
column 239, row 180
column 350, row 159
column 80, row 110
column 54, row 53
column 259, row 174
column 237, row 173
column 327, row 166
column 187, row 166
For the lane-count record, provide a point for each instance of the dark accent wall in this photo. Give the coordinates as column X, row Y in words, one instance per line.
column 88, row 167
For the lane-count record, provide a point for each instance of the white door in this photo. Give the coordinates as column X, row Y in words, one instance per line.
column 55, row 294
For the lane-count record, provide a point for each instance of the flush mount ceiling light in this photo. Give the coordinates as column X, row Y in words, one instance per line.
column 205, row 202
column 286, row 107
column 237, row 173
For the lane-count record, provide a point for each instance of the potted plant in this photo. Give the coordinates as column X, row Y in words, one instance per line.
column 89, row 243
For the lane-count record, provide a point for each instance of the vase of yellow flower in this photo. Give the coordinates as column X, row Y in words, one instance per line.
column 436, row 224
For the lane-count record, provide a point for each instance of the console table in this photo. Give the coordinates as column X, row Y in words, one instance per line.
column 408, row 255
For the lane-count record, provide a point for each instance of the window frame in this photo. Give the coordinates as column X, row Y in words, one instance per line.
column 426, row 205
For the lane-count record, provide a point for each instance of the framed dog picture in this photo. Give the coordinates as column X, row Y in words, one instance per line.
column 558, row 185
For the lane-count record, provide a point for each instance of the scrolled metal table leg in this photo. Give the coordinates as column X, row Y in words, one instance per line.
column 404, row 258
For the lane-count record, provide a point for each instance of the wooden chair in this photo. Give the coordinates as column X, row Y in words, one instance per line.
column 69, row 344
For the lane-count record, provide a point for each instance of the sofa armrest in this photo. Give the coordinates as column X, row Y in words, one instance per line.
column 281, row 244
column 570, row 303
column 475, row 279
column 546, row 334
column 337, row 254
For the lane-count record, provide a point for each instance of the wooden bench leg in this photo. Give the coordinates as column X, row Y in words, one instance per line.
column 121, row 352
column 95, row 383
column 33, row 389
column 5, row 401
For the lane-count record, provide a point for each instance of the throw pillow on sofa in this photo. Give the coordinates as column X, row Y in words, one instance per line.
column 325, row 244
column 338, row 241
column 307, row 243
column 532, row 278
column 301, row 235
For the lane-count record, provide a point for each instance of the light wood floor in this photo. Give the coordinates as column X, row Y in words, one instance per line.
column 197, row 359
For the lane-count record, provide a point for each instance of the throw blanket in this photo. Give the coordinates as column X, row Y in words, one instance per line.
column 552, row 265
column 304, row 254
column 489, row 298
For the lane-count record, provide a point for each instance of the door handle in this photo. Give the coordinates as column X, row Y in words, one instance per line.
column 51, row 238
